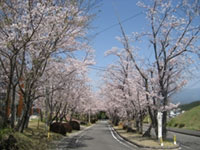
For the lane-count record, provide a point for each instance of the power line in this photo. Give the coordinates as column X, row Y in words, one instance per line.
column 99, row 67
column 96, row 68
column 110, row 27
column 116, row 24
column 102, row 68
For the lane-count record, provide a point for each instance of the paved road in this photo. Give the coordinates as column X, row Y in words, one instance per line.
column 99, row 137
column 102, row 137
column 186, row 142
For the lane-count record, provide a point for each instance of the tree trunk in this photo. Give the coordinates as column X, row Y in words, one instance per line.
column 41, row 116
column 155, row 123
column 7, row 107
column 13, row 110
column 25, row 117
column 9, row 88
column 116, row 120
column 47, row 107
column 27, row 121
column 19, row 122
column 141, row 125
column 137, row 124
column 164, row 125
column 21, row 103
column 23, row 122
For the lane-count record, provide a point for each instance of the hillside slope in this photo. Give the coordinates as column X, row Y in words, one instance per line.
column 189, row 120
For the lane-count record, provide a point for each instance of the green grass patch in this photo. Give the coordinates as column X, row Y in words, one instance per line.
column 33, row 138
column 147, row 119
column 188, row 120
column 4, row 133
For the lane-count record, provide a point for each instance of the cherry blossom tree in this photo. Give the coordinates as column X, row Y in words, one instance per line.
column 172, row 38
column 126, row 90
column 31, row 33
column 65, row 87
column 173, row 35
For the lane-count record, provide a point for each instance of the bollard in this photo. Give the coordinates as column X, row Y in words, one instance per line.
column 38, row 125
column 48, row 135
column 174, row 139
column 161, row 142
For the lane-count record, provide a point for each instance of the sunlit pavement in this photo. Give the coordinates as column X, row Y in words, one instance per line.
column 186, row 142
column 99, row 137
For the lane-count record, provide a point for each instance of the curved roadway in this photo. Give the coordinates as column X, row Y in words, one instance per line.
column 98, row 137
column 102, row 137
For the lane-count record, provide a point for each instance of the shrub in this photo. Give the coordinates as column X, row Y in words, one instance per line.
column 9, row 144
column 58, row 128
column 75, row 125
column 68, row 127
column 129, row 129
column 125, row 125
column 181, row 125
column 93, row 121
column 175, row 125
column 83, row 123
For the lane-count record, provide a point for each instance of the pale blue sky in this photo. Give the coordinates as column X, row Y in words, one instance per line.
column 106, row 39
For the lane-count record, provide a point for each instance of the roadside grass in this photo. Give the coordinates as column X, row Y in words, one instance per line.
column 147, row 119
column 4, row 133
column 188, row 120
column 144, row 141
column 35, row 138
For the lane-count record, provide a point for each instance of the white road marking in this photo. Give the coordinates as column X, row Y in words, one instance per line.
column 181, row 145
column 123, row 143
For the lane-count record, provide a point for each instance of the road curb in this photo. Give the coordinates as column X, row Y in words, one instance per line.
column 72, row 135
column 186, row 132
column 79, row 132
column 142, row 146
column 183, row 131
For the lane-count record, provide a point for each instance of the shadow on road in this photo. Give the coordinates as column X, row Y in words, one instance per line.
column 75, row 142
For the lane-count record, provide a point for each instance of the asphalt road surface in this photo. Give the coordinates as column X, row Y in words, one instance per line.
column 98, row 137
column 186, row 142
column 102, row 137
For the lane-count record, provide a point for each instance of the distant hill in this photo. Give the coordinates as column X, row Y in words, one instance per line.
column 186, row 95
column 189, row 119
column 189, row 106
